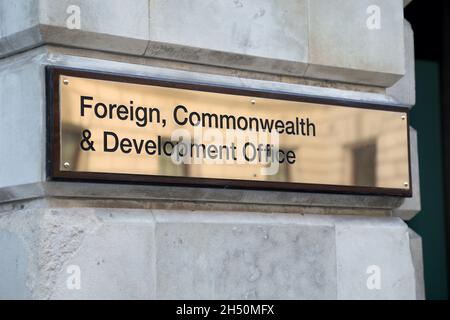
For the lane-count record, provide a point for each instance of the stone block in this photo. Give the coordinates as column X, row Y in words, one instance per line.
column 112, row 17
column 47, row 252
column 372, row 252
column 263, row 35
column 404, row 91
column 247, row 257
column 19, row 243
column 18, row 15
column 22, row 124
column 343, row 47
column 14, row 261
column 106, row 25
column 313, row 39
column 417, row 258
column 122, row 253
column 113, row 250
column 92, row 24
column 19, row 25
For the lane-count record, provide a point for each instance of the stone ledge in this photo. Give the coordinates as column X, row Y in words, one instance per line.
column 198, row 195
column 78, row 194
column 143, row 67
column 224, row 59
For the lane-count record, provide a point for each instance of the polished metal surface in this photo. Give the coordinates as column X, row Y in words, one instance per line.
column 115, row 127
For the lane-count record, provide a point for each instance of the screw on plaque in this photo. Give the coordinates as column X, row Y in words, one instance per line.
column 66, row 82
column 253, row 101
column 406, row 184
column 66, row 165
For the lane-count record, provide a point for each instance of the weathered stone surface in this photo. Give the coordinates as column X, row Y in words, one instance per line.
column 247, row 257
column 13, row 265
column 114, row 251
column 361, row 245
column 112, row 17
column 19, row 240
column 313, row 39
column 91, row 24
column 22, row 40
column 17, row 16
column 343, row 48
column 417, row 259
column 92, row 40
column 103, row 25
column 404, row 91
column 127, row 253
column 22, row 124
column 276, row 30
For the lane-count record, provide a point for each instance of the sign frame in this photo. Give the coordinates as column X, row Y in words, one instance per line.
column 54, row 173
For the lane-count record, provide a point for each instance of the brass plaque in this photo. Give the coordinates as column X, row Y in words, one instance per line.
column 114, row 127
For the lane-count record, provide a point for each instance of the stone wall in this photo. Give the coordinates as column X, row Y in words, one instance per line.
column 153, row 241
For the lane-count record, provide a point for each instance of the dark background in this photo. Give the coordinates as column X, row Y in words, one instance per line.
column 431, row 118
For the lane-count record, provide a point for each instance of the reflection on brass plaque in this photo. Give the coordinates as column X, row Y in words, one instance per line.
column 144, row 130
